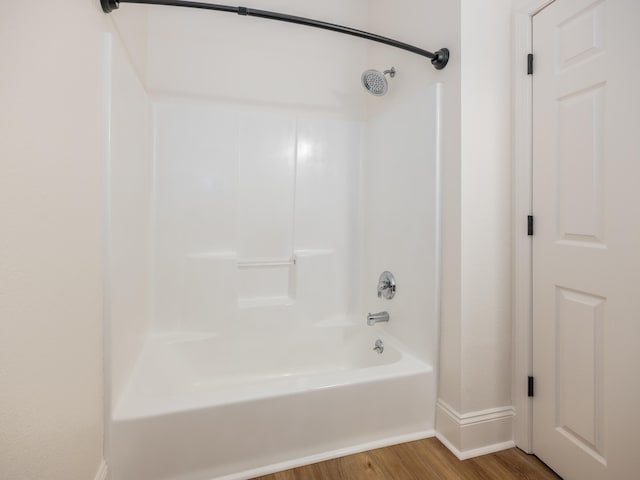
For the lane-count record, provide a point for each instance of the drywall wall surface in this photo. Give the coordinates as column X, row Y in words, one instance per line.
column 51, row 392
column 131, row 24
column 474, row 411
column 486, row 205
column 223, row 56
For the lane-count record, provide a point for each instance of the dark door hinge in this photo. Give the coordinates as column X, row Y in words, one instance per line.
column 530, row 64
column 530, row 225
column 530, row 386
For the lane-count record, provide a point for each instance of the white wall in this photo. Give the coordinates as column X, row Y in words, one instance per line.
column 130, row 23
column 227, row 57
column 51, row 243
column 474, row 413
column 486, row 204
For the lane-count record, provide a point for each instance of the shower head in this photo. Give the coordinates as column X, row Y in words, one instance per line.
column 375, row 82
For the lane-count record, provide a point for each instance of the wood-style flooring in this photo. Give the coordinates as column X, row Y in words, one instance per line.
column 422, row 460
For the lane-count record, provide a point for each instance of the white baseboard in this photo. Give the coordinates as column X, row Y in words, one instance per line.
column 103, row 471
column 496, row 447
column 363, row 447
column 475, row 433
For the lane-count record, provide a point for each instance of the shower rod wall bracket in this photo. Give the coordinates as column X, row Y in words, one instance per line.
column 109, row 6
column 439, row 59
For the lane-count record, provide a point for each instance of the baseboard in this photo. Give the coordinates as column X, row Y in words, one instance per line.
column 474, row 433
column 103, row 471
column 321, row 457
column 496, row 447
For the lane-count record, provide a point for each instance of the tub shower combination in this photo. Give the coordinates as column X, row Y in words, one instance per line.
column 245, row 402
column 219, row 407
column 269, row 229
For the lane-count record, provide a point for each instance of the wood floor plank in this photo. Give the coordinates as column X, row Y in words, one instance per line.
column 527, row 467
column 437, row 461
column 421, row 466
column 421, row 460
column 392, row 464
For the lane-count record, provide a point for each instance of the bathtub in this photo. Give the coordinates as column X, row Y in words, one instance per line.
column 201, row 407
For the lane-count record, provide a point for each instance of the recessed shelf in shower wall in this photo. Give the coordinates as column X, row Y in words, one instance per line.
column 266, row 282
column 215, row 285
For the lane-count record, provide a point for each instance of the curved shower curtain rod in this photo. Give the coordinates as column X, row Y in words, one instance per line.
column 439, row 59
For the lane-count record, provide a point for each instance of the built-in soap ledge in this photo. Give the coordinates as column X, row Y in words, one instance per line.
column 266, row 282
column 266, row 262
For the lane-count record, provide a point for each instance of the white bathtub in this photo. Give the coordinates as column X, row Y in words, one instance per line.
column 233, row 407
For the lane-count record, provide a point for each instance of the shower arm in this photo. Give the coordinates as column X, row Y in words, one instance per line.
column 439, row 58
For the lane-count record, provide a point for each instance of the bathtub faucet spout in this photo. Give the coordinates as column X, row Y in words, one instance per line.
column 373, row 318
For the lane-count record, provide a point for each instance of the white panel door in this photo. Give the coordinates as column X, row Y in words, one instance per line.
column 586, row 244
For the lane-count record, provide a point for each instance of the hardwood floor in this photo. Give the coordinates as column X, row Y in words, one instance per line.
column 422, row 460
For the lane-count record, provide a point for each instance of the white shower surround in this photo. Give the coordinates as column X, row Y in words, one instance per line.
column 256, row 215
column 220, row 406
column 271, row 223
column 263, row 360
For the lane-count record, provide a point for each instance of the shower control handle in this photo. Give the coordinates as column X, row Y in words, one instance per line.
column 386, row 285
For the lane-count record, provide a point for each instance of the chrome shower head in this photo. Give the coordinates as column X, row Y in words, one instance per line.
column 375, row 81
